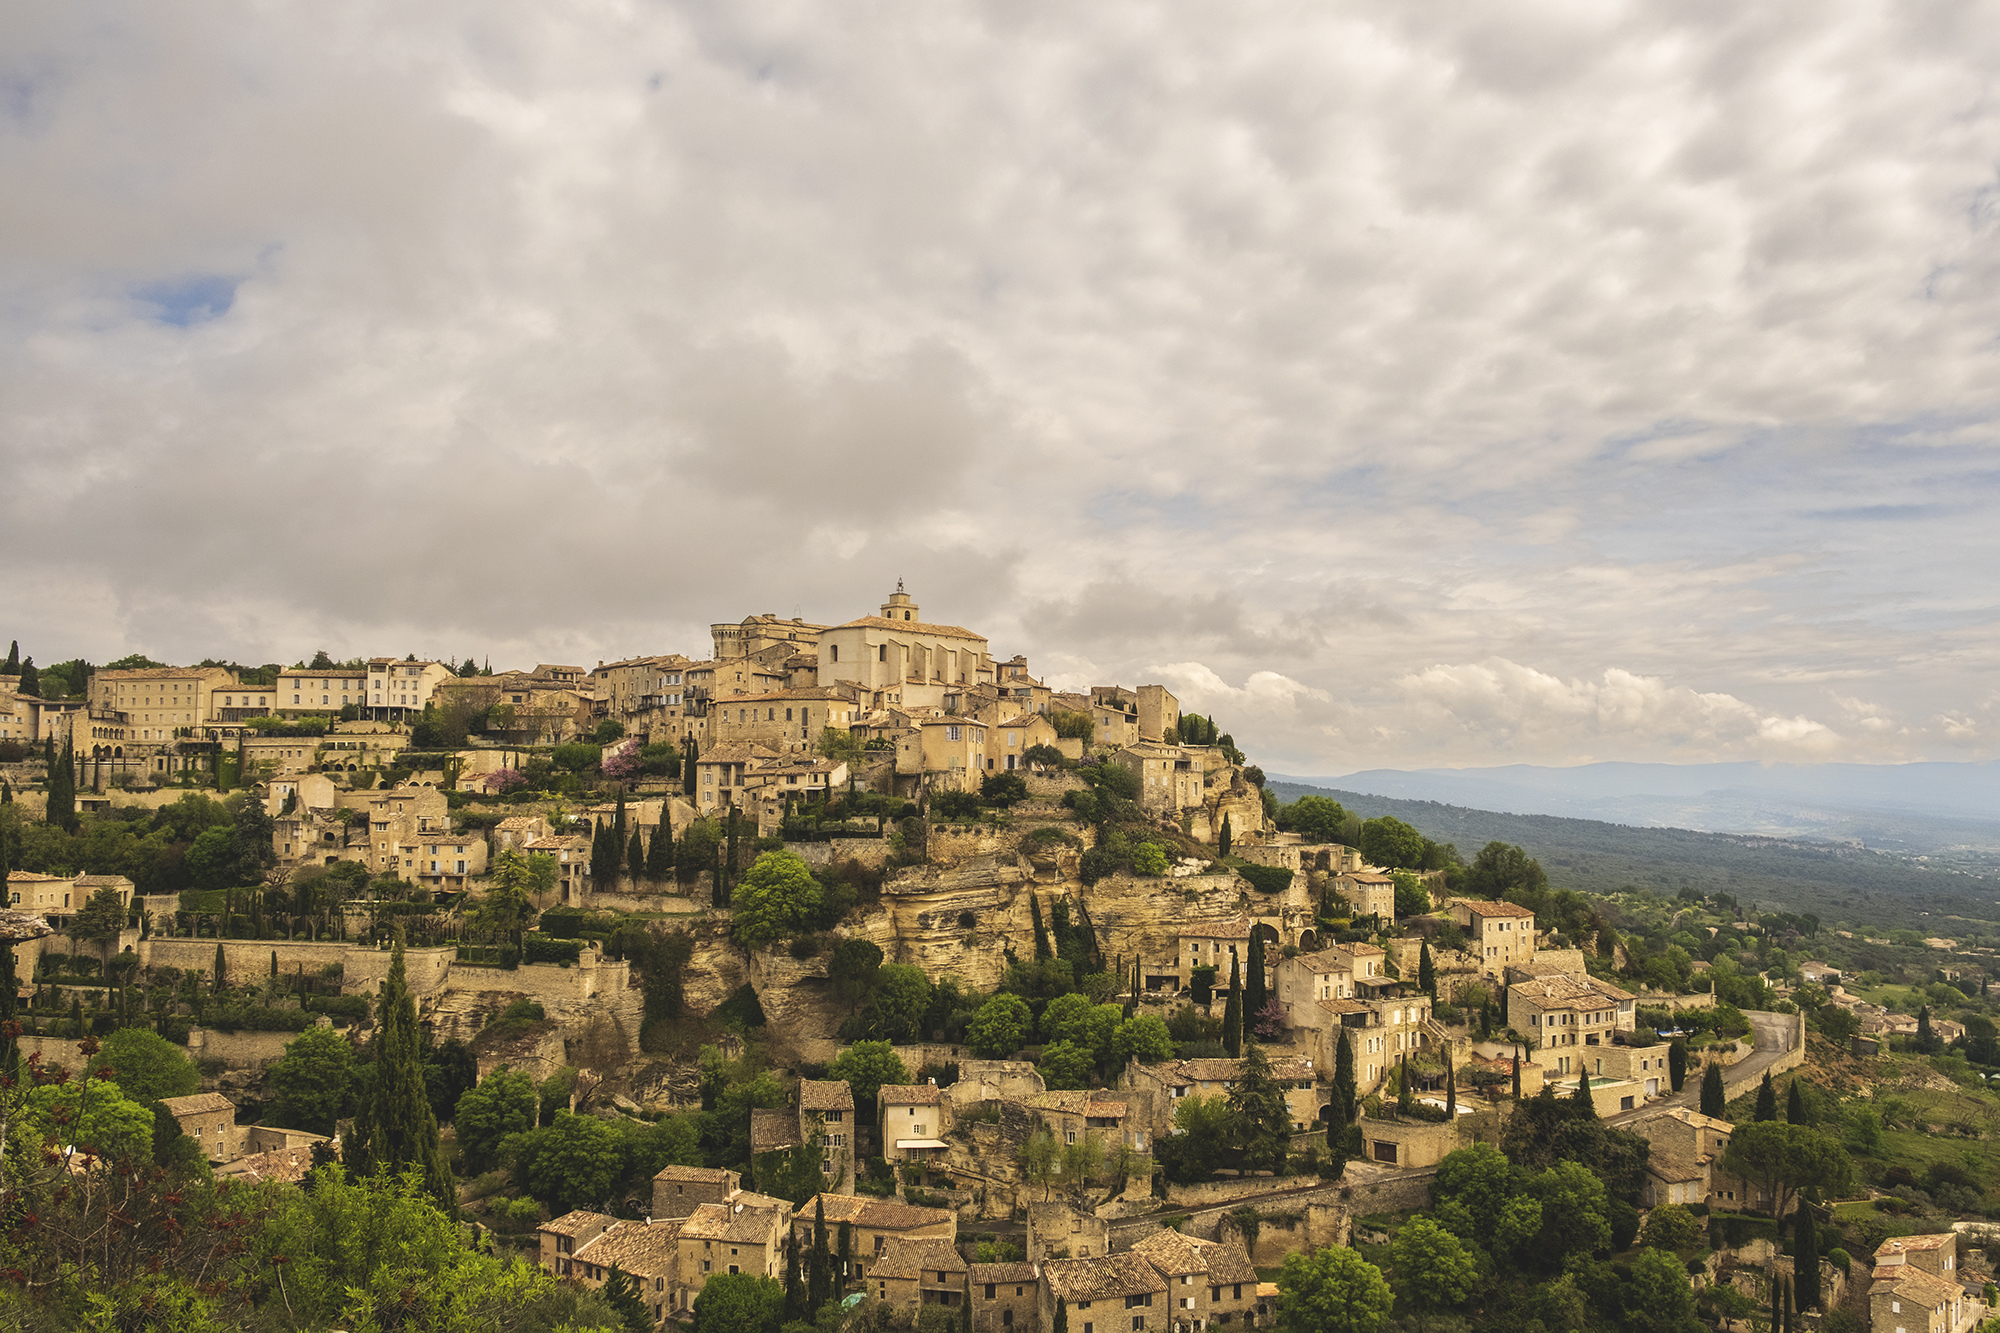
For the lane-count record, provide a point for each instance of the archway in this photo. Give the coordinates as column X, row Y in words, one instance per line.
column 1308, row 941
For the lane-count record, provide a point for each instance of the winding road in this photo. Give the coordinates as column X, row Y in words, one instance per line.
column 1771, row 1035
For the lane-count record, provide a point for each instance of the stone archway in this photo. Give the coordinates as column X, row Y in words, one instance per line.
column 1308, row 941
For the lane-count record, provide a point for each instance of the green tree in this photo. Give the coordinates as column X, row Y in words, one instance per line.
column 1263, row 1122
column 1227, row 837
column 1333, row 1290
column 1476, row 1196
column 902, row 996
column 1658, row 1299
column 1232, row 1011
column 1712, row 1101
column 776, row 899
column 394, row 1128
column 1256, row 988
column 1426, row 970
column 1677, row 1063
column 61, row 806
column 1767, row 1100
column 1435, row 1271
column 1575, row 1212
column 576, row 1161
column 1786, row 1159
column 313, row 1080
column 1412, row 898
column 1040, row 1159
column 146, row 1066
column 100, row 920
column 635, row 855
column 660, row 855
column 1389, row 842
column 1345, row 1089
column 92, row 1115
column 1672, row 1227
column 1065, row 1065
column 1805, row 1260
column 1000, row 1027
column 1042, row 949
column 853, row 971
column 1316, row 818
column 866, row 1066
column 501, row 1104
column 621, row 1292
column 1795, row 1105
column 1144, row 1038
column 740, row 1303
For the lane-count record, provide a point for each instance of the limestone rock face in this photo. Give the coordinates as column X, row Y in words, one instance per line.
column 1144, row 917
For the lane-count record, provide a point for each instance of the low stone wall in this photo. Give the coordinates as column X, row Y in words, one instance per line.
column 548, row 982
column 1791, row 1058
column 239, row 1050
column 948, row 843
column 246, row 960
column 870, row 852
column 1053, row 784
column 54, row 1051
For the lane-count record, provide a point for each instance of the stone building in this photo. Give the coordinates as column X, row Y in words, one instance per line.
column 1499, row 935
column 303, row 692
column 1213, row 944
column 1003, row 1297
column 914, row 1118
column 1170, row 777
column 1915, row 1288
column 1207, row 1283
column 745, row 1234
column 884, row 654
column 785, row 721
column 1114, row 1293
column 1565, row 1015
column 1344, row 989
column 209, row 1118
column 679, row 1190
column 826, row 1108
column 1368, row 892
column 1159, row 713
column 912, row 1272
column 754, row 635
column 398, row 690
column 872, row 1224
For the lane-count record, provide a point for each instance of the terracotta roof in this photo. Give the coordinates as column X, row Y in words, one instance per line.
column 1236, row 929
column 997, row 1273
column 1674, row 1167
column 1365, row 877
column 650, row 1249
column 1024, row 720
column 1932, row 1242
column 881, row 1214
column 908, row 1094
column 1911, row 1283
column 516, row 822
column 912, row 626
column 290, row 1165
column 735, row 1221
column 1105, row 1110
column 1104, row 1278
column 913, row 1256
column 1478, row 908
column 1569, row 991
column 29, row 876
column 197, row 1104
column 701, row 1175
column 772, row 1130
column 825, row 1095
column 1175, row 1254
column 578, row 1222
column 101, row 881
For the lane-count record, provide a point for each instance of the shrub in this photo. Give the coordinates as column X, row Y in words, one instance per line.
column 1266, row 879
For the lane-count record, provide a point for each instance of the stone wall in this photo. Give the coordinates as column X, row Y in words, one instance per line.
column 247, row 960
column 238, row 1050
column 870, row 852
column 1735, row 1085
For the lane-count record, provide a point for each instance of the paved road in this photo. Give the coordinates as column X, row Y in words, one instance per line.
column 1772, row 1036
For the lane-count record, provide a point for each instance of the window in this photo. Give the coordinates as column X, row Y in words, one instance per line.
column 990, row 1289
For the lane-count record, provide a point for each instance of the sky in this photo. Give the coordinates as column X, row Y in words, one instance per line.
column 1446, row 384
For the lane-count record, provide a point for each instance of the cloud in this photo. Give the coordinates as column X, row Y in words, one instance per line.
column 1320, row 349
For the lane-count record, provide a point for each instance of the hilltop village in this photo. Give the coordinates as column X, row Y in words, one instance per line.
column 852, row 975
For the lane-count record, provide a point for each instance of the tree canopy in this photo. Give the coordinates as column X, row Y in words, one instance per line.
column 777, row 898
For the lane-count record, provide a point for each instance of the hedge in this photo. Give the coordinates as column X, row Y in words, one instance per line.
column 1267, row 879
column 542, row 949
column 338, row 1006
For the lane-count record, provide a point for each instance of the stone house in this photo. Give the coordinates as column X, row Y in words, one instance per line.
column 784, row 721
column 755, row 634
column 1114, row 724
column 954, row 751
column 398, row 690
column 679, row 1190
column 50, row 896
column 1368, row 892
column 1394, row 1141
column 209, row 1118
column 1345, row 990
column 916, row 1271
column 1003, row 1297
column 1057, row 1230
column 1207, row 1283
column 1499, row 935
column 308, row 692
column 559, row 1238
column 1565, row 1014
column 635, row 686
column 515, row 832
column 1159, row 1087
column 1072, row 1116
column 649, row 1251
column 872, row 1224
column 1915, row 1287
column 773, row 1131
column 155, row 703
column 1170, row 777
column 1684, row 1165
column 1113, row 1293
column 886, row 653
column 1159, row 712
column 87, row 886
column 449, row 861
column 914, row 1119
column 571, row 853
column 1008, row 741
column 1213, row 944
column 746, row 1234
column 826, row 1108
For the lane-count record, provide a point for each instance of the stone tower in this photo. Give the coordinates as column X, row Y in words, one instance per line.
column 900, row 606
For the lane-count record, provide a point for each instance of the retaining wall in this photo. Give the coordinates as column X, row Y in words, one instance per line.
column 364, row 967
column 238, row 1050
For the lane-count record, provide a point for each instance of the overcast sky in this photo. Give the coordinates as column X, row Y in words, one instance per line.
column 1406, row 384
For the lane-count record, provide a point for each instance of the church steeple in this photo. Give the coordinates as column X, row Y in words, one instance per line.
column 900, row 606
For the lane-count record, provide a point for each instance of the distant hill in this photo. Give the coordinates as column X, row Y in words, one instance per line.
column 1930, row 809
column 1837, row 881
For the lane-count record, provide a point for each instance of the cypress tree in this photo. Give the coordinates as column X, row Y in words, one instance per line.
column 62, row 788
column 1255, row 992
column 660, row 856
column 1586, row 1107
column 1677, row 1063
column 1805, row 1260
column 1925, row 1041
column 76, row 1017
column 792, row 1293
column 635, row 855
column 1517, row 1075
column 1427, row 980
column 844, row 1256
column 818, row 1279
column 1060, row 1324
column 1450, row 1089
column 1405, row 1096
column 733, row 863
column 1344, row 1087
column 221, row 977
column 1712, row 1101
column 10, row 1047
column 1232, row 1012
column 621, row 1293
column 618, row 822
column 1767, row 1099
column 395, row 1130
column 1042, row 949
column 1795, row 1105
column 13, row 667
column 1227, row 837
column 965, row 1317
column 1777, row 1304
column 687, row 768
column 31, row 680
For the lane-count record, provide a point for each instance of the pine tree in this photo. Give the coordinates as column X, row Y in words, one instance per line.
column 1767, row 1100
column 660, row 856
column 394, row 1130
column 635, row 855
column 1042, row 949
column 1427, row 980
column 1712, row 1101
column 1255, row 991
column 621, row 1293
column 1232, row 1012
column 1228, row 836
column 819, row 1281
column 1677, row 1063
column 1795, row 1105
column 1805, row 1260
column 1585, row 1104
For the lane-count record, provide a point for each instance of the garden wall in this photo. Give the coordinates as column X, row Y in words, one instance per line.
column 238, row 1050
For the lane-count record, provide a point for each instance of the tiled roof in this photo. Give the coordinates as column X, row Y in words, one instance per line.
column 1174, row 1254
column 913, row 1256
column 881, row 1214
column 578, row 1222
column 290, row 1165
column 908, row 1094
column 735, row 1221
column 771, row 1130
column 1068, row 1103
column 1105, row 1110
column 1237, row 928
column 912, row 627
column 701, row 1175
column 1104, row 1278
column 518, row 823
column 1906, row 1243
column 996, row 1273
column 1365, row 877
column 1342, row 1006
column 1478, row 908
column 1911, row 1283
column 650, row 1249
column 197, row 1104
column 1569, row 991
column 825, row 1095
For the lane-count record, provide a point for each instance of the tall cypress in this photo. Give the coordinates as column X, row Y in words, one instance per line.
column 819, row 1280
column 1805, row 1260
column 1344, row 1085
column 1925, row 1041
column 13, row 666
column 1767, row 1099
column 1677, row 1063
column 1795, row 1105
column 1255, row 992
column 1450, row 1089
column 395, row 1130
column 1061, row 1322
column 660, row 856
column 792, row 1293
column 618, row 822
column 10, row 1048
column 1586, row 1106
column 1517, row 1076
column 1427, row 980
column 1222, row 844
column 844, row 1257
column 729, row 868
column 687, row 768
column 221, row 977
column 62, row 789
column 635, row 855
column 1042, row 949
column 1712, row 1101
column 1232, row 1012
